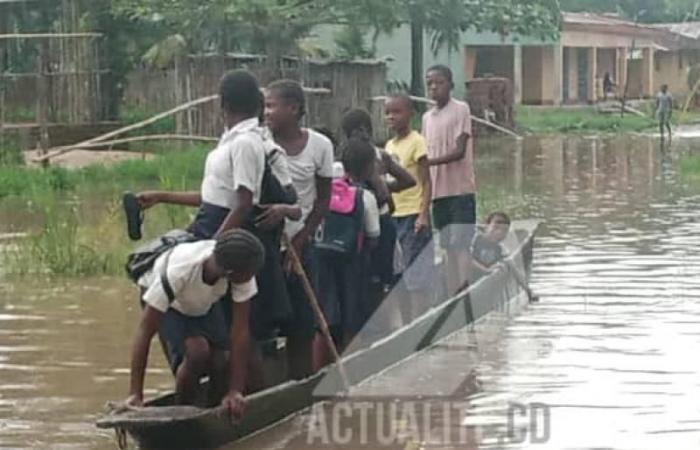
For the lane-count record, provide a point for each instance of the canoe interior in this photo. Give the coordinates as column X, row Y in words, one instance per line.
column 207, row 429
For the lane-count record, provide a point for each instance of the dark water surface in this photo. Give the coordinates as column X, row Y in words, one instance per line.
column 607, row 359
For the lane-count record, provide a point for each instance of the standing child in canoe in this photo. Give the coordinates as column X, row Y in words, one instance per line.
column 310, row 159
column 412, row 207
column 448, row 132
column 386, row 178
column 347, row 236
column 181, row 296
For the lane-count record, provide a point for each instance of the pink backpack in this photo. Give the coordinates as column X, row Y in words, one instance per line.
column 342, row 228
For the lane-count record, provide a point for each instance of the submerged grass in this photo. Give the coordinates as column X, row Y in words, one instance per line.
column 588, row 119
column 81, row 227
column 568, row 120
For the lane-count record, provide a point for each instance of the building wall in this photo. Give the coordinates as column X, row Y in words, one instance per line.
column 397, row 46
column 539, row 75
column 607, row 62
column 532, row 75
column 672, row 68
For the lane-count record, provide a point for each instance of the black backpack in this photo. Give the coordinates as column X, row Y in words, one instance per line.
column 142, row 259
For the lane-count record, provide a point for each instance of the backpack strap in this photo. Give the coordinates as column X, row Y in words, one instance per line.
column 167, row 287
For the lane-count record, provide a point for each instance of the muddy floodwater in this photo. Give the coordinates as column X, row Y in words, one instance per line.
column 607, row 359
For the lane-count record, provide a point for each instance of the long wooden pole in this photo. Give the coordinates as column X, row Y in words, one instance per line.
column 132, row 127
column 185, row 106
column 150, row 137
column 475, row 119
column 313, row 302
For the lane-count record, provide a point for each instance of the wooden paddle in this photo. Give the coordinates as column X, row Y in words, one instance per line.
column 313, row 302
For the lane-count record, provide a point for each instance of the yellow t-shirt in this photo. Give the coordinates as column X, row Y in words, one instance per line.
column 408, row 151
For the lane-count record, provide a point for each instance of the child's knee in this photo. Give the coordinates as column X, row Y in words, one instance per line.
column 197, row 354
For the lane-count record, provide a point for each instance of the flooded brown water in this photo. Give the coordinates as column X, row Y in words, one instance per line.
column 607, row 359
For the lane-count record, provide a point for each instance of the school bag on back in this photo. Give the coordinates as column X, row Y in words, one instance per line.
column 342, row 229
column 142, row 259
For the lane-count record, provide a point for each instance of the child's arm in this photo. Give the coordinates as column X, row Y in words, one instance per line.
column 427, row 189
column 149, row 199
column 402, row 178
column 238, row 215
column 318, row 212
column 274, row 214
column 481, row 266
column 148, row 327
column 234, row 401
column 455, row 155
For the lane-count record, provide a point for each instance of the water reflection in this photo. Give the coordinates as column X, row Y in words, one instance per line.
column 609, row 349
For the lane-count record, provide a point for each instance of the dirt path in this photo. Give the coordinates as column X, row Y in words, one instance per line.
column 81, row 158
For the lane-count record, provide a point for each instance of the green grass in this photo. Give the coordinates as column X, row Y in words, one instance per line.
column 178, row 167
column 587, row 120
column 80, row 228
column 582, row 120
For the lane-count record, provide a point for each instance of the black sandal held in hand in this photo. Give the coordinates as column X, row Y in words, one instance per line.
column 134, row 215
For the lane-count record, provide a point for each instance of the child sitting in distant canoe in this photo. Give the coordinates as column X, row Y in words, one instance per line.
column 181, row 296
column 487, row 252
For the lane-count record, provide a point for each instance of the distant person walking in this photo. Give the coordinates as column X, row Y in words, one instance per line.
column 664, row 110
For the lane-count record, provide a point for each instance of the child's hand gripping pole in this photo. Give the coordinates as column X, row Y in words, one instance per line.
column 520, row 279
column 313, row 301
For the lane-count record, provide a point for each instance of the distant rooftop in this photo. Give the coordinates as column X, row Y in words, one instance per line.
column 689, row 30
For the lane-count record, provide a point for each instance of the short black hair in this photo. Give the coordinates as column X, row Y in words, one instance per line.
column 357, row 123
column 240, row 93
column 357, row 155
column 290, row 92
column 442, row 70
column 239, row 251
column 405, row 99
column 498, row 215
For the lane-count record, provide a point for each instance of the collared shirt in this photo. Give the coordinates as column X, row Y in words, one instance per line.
column 237, row 161
column 193, row 297
column 441, row 128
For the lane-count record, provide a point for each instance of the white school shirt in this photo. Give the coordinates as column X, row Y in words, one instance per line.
column 193, row 297
column 239, row 161
column 371, row 216
column 315, row 160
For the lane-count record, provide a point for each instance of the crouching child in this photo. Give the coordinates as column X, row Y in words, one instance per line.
column 180, row 297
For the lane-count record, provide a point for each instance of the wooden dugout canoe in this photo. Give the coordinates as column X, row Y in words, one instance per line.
column 161, row 425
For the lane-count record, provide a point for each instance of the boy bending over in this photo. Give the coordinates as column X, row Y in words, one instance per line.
column 181, row 301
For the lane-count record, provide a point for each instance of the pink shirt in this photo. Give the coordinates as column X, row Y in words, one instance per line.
column 441, row 128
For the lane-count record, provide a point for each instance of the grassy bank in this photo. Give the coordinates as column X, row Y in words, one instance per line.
column 588, row 120
column 74, row 219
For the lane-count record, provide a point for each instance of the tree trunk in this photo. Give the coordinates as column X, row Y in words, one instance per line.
column 417, row 58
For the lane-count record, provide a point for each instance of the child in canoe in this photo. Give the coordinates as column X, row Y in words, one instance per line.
column 487, row 252
column 181, row 296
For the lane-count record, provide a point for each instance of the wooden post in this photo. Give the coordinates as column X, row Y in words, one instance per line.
column 42, row 102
